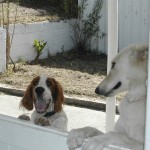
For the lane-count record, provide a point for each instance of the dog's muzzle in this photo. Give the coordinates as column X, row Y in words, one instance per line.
column 41, row 106
column 100, row 91
column 107, row 93
column 39, row 90
column 117, row 86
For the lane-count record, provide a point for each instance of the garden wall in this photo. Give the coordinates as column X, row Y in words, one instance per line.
column 56, row 34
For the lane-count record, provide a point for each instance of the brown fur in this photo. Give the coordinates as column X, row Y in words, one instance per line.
column 57, row 94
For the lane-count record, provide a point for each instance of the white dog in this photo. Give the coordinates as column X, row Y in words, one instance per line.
column 128, row 73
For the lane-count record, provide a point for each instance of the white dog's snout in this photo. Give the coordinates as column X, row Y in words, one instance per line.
column 97, row 90
column 100, row 91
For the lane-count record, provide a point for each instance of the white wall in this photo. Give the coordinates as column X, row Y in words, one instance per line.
column 133, row 22
column 56, row 34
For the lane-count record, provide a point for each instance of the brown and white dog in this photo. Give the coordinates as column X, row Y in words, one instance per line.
column 45, row 94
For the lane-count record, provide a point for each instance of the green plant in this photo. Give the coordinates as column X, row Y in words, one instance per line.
column 39, row 46
column 86, row 27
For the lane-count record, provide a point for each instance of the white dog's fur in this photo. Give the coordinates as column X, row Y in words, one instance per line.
column 128, row 73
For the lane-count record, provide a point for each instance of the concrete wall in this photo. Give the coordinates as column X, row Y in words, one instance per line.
column 56, row 34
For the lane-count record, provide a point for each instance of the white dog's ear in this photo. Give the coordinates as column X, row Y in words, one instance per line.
column 139, row 55
column 142, row 56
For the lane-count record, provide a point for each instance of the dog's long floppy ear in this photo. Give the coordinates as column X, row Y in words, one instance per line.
column 27, row 100
column 58, row 96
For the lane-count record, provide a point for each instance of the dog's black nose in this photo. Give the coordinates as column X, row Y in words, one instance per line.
column 97, row 90
column 39, row 90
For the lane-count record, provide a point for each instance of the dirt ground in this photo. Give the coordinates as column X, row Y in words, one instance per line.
column 79, row 75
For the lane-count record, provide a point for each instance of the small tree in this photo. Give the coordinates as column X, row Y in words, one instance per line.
column 7, row 36
column 4, row 22
column 39, row 46
column 84, row 28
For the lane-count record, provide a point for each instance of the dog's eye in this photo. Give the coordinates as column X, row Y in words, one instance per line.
column 48, row 83
column 35, row 83
column 113, row 65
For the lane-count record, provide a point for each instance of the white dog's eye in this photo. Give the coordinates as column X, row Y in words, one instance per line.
column 113, row 65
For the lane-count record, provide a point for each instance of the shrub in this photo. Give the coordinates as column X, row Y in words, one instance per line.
column 84, row 28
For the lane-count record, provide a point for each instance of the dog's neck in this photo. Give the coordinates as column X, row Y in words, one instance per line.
column 50, row 111
column 49, row 114
column 51, row 107
column 137, row 91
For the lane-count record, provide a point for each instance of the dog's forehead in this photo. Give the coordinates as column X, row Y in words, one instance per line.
column 130, row 50
column 42, row 80
column 122, row 55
